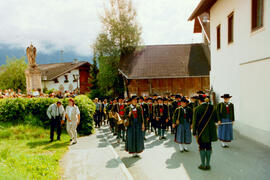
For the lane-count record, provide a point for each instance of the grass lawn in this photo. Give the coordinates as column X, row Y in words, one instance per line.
column 25, row 152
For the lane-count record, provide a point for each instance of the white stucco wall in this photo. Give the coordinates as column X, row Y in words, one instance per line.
column 231, row 71
column 52, row 85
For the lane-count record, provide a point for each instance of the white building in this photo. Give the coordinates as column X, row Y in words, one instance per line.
column 240, row 59
column 67, row 76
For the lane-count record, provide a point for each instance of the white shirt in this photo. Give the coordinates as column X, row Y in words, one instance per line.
column 69, row 110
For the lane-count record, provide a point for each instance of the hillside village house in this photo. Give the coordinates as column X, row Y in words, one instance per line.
column 68, row 76
column 166, row 69
column 240, row 59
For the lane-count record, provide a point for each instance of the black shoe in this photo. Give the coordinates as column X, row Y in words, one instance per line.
column 164, row 137
column 58, row 139
column 51, row 140
column 201, row 167
column 181, row 151
column 186, row 150
column 207, row 167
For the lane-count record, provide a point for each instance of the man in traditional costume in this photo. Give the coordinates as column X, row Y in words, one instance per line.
column 150, row 114
column 161, row 115
column 182, row 121
column 204, row 129
column 120, row 109
column 135, row 128
column 144, row 107
column 225, row 115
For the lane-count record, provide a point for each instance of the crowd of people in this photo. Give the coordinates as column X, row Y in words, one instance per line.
column 10, row 93
column 131, row 118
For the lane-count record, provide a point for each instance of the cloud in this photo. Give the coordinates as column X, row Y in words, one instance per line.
column 52, row 25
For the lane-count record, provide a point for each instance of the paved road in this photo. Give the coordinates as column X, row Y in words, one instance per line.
column 93, row 158
column 245, row 159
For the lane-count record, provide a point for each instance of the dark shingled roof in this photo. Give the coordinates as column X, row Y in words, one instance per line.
column 52, row 71
column 166, row 61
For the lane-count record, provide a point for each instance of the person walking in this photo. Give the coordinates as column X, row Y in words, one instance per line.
column 73, row 120
column 135, row 128
column 182, row 121
column 56, row 114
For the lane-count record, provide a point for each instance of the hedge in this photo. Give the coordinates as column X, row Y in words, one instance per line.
column 23, row 110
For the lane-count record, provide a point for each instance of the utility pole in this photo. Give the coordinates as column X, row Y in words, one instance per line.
column 61, row 56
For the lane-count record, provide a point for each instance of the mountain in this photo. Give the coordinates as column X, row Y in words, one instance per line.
column 42, row 58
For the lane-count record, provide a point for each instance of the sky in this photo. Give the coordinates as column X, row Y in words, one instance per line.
column 73, row 25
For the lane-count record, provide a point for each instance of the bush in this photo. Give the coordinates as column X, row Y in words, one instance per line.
column 33, row 111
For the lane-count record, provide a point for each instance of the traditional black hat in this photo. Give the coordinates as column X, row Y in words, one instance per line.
column 134, row 97
column 226, row 96
column 165, row 99
column 141, row 98
column 194, row 97
column 178, row 96
column 149, row 98
column 155, row 95
column 200, row 92
column 184, row 99
column 201, row 97
column 159, row 97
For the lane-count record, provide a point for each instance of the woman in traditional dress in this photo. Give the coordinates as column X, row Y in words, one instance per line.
column 225, row 114
column 135, row 128
column 182, row 121
column 73, row 119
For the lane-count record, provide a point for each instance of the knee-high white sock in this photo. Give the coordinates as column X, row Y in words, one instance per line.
column 181, row 147
column 185, row 146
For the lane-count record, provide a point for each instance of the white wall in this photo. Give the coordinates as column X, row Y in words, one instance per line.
column 227, row 69
column 52, row 85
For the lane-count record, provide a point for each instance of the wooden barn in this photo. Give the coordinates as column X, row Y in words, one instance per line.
column 166, row 69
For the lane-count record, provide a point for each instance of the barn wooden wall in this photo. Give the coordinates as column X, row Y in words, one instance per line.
column 185, row 86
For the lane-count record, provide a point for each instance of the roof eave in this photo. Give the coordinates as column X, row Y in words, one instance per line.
column 164, row 77
column 203, row 6
column 60, row 74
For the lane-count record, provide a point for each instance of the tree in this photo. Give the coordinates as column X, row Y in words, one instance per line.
column 12, row 75
column 121, row 34
column 95, row 91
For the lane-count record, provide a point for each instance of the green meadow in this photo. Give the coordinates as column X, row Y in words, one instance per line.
column 25, row 152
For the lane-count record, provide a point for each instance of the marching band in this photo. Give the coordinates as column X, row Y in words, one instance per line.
column 130, row 118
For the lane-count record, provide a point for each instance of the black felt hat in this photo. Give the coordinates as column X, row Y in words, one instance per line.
column 194, row 97
column 159, row 98
column 134, row 97
column 178, row 96
column 226, row 96
column 149, row 98
column 200, row 92
column 201, row 97
column 184, row 99
column 141, row 98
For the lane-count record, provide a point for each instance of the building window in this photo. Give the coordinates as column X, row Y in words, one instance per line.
column 256, row 14
column 66, row 79
column 56, row 80
column 74, row 78
column 230, row 28
column 218, row 37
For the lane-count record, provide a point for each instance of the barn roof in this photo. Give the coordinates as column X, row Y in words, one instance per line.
column 202, row 7
column 166, row 61
column 52, row 71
